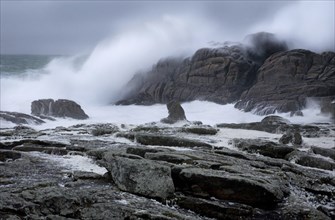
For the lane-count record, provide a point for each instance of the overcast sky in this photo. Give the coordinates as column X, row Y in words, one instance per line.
column 69, row 27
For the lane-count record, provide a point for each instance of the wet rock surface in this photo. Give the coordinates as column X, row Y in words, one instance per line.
column 157, row 172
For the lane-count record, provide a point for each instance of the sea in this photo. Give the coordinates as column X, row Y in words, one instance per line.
column 95, row 84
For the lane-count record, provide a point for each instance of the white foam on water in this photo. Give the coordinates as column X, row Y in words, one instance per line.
column 73, row 162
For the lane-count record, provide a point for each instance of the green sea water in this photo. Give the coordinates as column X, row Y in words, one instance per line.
column 16, row 65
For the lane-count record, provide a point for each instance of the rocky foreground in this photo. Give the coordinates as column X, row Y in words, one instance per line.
column 264, row 170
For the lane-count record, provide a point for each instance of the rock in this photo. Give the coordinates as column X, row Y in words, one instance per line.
column 324, row 152
column 176, row 113
column 310, row 160
column 254, row 191
column 132, row 175
column 260, row 75
column 296, row 113
column 29, row 147
column 6, row 155
column 266, row 148
column 141, row 151
column 19, row 118
column 276, row 125
column 213, row 208
column 168, row 157
column 207, row 75
column 290, row 137
column 164, row 140
column 103, row 129
column 274, row 120
column 286, row 79
column 200, row 130
column 59, row 108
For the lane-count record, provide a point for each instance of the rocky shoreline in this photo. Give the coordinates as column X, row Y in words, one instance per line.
column 160, row 171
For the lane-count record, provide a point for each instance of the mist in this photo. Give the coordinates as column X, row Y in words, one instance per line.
column 304, row 25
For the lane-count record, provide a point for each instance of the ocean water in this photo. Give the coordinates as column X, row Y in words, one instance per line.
column 25, row 78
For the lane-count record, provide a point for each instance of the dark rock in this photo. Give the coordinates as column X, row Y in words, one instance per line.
column 324, row 152
column 6, row 155
column 298, row 211
column 168, row 157
column 266, row 148
column 103, row 129
column 59, row 108
column 200, row 130
column 255, row 191
column 77, row 175
column 132, row 175
column 274, row 120
column 176, row 113
column 28, row 147
column 213, row 208
column 310, row 160
column 276, row 124
column 290, row 137
column 160, row 140
column 286, row 79
column 19, row 118
column 207, row 75
column 35, row 142
column 141, row 151
column 296, row 113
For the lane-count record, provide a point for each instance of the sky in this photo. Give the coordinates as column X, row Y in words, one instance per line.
column 70, row 27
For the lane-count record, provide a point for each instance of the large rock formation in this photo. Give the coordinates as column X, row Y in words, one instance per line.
column 286, row 79
column 59, row 108
column 259, row 75
column 219, row 75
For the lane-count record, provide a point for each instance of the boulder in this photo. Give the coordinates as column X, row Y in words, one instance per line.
column 291, row 137
column 140, row 176
column 176, row 113
column 59, row 108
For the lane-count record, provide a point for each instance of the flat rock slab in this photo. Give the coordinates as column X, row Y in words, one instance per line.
column 250, row 190
column 266, row 148
column 161, row 140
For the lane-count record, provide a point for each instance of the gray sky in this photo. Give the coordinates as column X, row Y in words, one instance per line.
column 68, row 27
